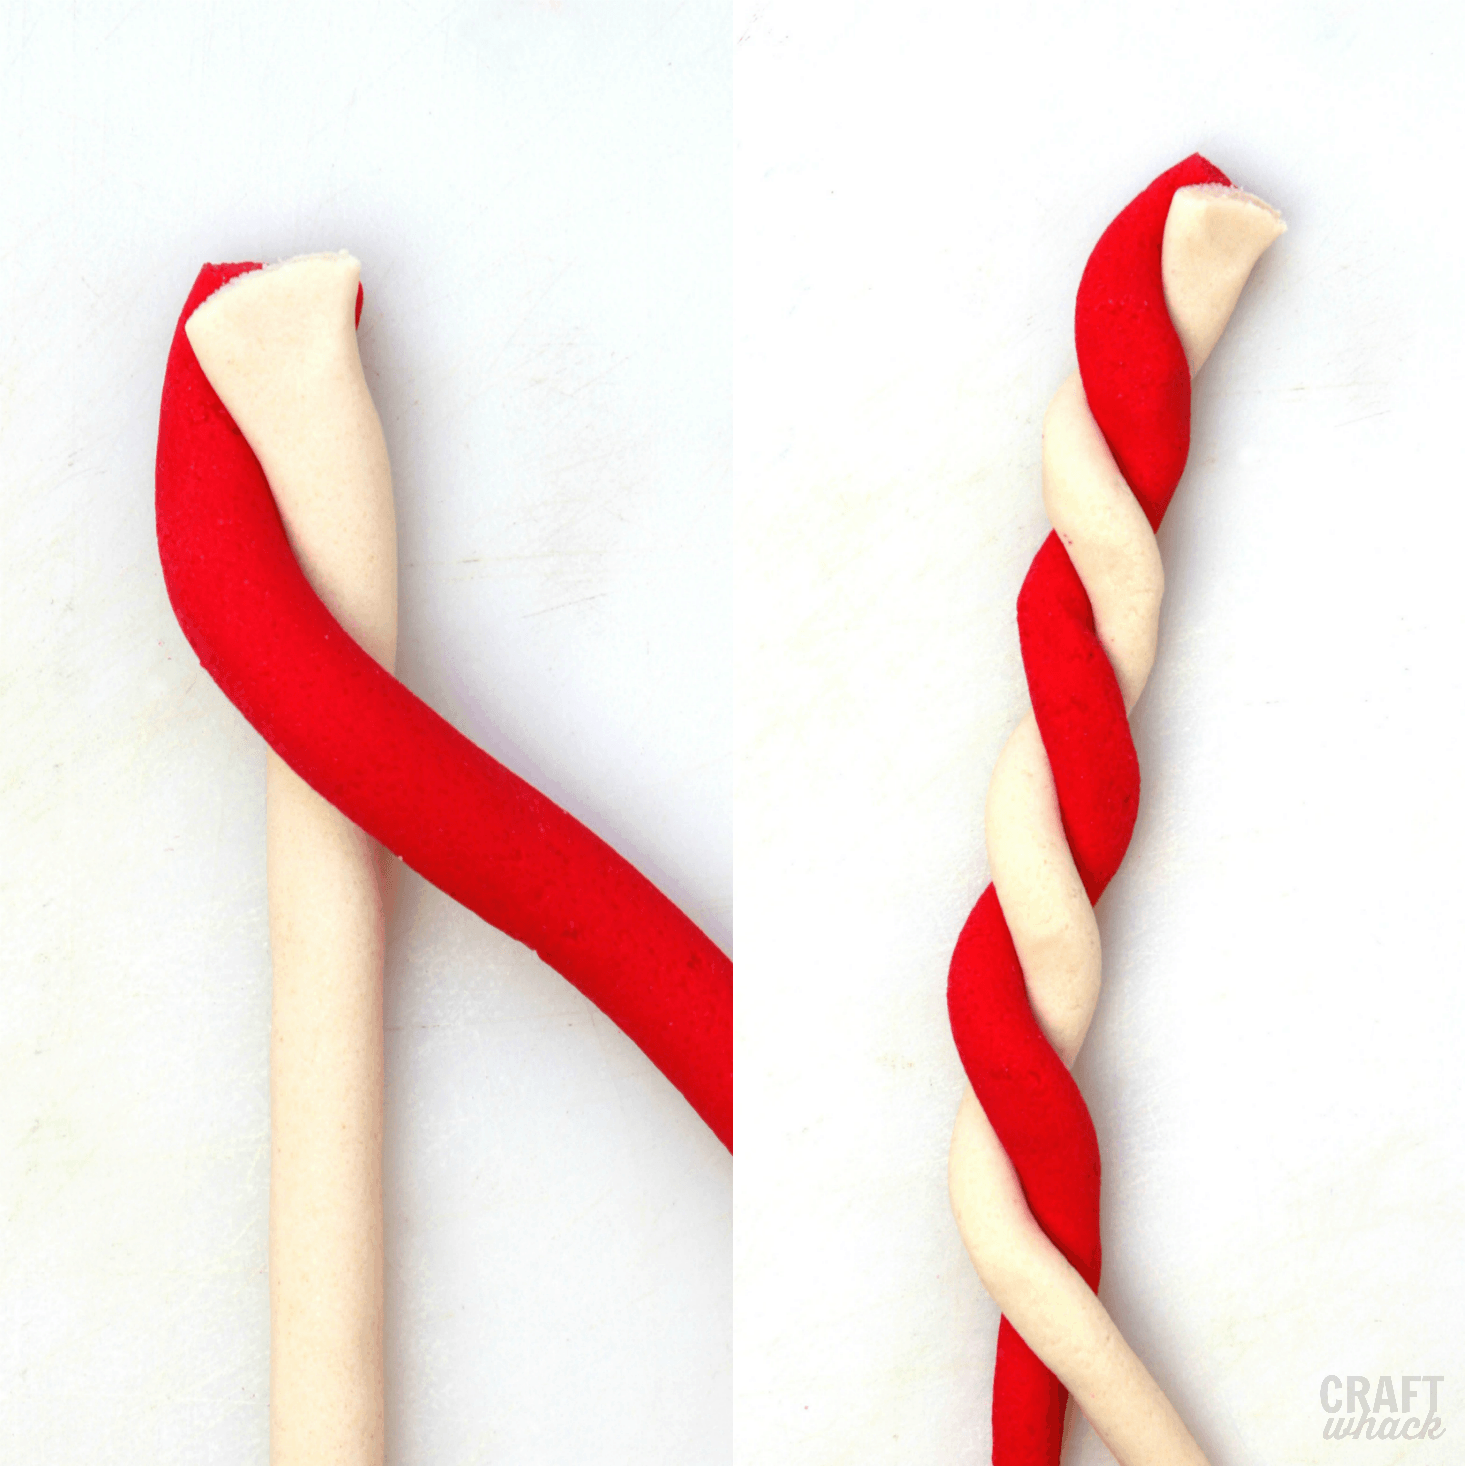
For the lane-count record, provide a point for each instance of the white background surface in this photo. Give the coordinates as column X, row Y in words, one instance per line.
column 539, row 198
column 1273, row 1070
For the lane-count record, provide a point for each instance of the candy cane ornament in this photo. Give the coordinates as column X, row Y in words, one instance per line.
column 1024, row 1167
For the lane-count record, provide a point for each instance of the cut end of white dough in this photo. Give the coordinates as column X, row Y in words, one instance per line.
column 279, row 347
column 307, row 304
column 270, row 329
column 342, row 259
column 1214, row 235
column 1229, row 191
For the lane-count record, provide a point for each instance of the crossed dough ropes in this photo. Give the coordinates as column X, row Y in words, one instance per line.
column 275, row 528
column 362, row 741
column 1024, row 1168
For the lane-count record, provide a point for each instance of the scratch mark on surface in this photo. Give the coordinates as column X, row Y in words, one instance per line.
column 565, row 605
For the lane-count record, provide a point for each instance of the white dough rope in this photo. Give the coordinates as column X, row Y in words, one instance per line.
column 278, row 345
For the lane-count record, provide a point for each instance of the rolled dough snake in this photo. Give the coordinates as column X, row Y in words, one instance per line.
column 1024, row 1168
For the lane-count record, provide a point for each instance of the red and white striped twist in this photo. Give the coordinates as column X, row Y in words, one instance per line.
column 1024, row 1168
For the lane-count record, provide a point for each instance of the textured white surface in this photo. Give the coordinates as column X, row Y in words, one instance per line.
column 538, row 194
column 1272, row 1069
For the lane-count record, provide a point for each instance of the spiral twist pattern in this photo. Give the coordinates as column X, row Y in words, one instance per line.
column 1155, row 295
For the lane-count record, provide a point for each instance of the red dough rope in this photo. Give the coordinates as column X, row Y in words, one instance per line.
column 399, row 771
column 1136, row 379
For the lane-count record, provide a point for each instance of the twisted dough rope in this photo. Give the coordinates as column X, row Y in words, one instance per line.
column 401, row 773
column 1024, row 1168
